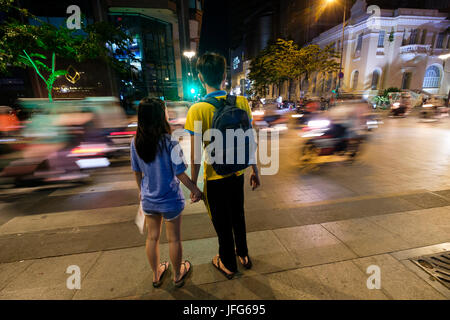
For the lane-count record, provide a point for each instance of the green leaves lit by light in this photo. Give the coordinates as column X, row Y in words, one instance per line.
column 39, row 66
column 283, row 61
column 23, row 45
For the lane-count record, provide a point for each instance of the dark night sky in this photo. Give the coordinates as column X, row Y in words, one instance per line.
column 215, row 33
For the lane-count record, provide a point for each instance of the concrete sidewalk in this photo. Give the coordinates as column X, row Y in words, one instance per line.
column 310, row 261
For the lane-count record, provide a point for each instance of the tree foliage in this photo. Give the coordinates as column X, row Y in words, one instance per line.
column 283, row 60
column 28, row 44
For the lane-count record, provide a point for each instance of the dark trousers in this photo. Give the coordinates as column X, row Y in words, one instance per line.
column 226, row 203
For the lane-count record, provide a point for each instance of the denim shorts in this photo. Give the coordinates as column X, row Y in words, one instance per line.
column 168, row 216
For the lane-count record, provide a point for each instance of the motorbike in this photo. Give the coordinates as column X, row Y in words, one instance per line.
column 43, row 158
column 330, row 142
column 269, row 120
column 301, row 117
column 431, row 112
column 398, row 110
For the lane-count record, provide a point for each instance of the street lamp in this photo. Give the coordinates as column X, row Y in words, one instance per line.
column 444, row 58
column 342, row 43
column 189, row 55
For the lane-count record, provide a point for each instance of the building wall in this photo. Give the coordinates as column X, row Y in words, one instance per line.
column 103, row 82
column 396, row 57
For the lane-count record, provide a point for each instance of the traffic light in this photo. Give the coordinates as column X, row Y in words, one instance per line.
column 193, row 90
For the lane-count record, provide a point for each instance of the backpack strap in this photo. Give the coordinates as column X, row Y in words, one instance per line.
column 231, row 100
column 218, row 104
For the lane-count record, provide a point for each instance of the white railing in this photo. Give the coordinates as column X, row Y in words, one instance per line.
column 415, row 48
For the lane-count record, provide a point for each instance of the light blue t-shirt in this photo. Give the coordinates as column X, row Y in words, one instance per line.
column 160, row 188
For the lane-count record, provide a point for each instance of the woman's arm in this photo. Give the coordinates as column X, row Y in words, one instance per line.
column 195, row 162
column 196, row 194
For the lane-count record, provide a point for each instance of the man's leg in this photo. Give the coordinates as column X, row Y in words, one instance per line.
column 219, row 197
column 238, row 216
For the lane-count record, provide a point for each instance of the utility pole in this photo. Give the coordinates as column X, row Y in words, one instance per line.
column 340, row 76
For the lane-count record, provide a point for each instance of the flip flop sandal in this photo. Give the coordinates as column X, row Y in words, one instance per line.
column 180, row 282
column 227, row 275
column 247, row 265
column 157, row 284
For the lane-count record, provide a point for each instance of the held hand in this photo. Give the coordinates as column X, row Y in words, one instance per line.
column 196, row 195
column 254, row 180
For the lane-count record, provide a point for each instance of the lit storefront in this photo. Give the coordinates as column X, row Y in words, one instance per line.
column 239, row 73
column 153, row 71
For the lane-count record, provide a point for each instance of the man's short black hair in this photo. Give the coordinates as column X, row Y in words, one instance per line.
column 212, row 67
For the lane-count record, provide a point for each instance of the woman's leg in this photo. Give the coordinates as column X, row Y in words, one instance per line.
column 152, row 244
column 173, row 232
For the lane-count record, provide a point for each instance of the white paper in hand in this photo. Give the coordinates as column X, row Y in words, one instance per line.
column 140, row 220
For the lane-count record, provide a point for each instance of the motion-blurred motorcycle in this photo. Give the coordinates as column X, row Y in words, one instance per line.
column 63, row 139
column 304, row 113
column 269, row 120
column 433, row 110
column 398, row 110
column 327, row 141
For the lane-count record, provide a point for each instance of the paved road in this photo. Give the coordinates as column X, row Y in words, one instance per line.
column 402, row 156
column 397, row 197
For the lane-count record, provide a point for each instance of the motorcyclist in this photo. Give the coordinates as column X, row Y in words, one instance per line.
column 8, row 120
column 402, row 106
column 347, row 118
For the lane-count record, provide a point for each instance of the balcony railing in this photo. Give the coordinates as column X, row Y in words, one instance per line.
column 415, row 48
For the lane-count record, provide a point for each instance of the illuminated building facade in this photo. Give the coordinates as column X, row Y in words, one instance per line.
column 161, row 32
column 401, row 48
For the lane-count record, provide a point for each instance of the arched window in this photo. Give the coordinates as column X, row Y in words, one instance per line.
column 432, row 77
column 355, row 79
column 375, row 79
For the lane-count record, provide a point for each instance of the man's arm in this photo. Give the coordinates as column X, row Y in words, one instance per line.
column 195, row 163
column 255, row 181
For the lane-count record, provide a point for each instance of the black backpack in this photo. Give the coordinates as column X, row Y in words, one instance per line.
column 228, row 116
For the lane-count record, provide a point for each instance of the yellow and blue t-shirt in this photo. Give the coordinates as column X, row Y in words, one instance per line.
column 204, row 112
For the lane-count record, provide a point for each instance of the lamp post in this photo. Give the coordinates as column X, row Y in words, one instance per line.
column 444, row 58
column 342, row 44
column 189, row 55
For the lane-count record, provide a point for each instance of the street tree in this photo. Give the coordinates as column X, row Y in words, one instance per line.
column 264, row 70
column 283, row 60
column 313, row 59
column 28, row 44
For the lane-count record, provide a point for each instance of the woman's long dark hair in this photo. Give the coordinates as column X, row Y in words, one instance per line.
column 152, row 126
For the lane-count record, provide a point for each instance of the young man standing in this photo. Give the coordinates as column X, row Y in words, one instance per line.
column 224, row 195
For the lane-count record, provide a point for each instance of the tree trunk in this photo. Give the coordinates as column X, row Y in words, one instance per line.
column 49, row 90
column 289, row 89
column 300, row 87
